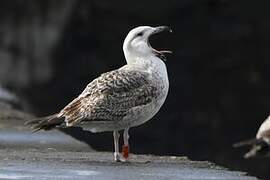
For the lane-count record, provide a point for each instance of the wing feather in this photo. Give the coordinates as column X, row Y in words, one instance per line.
column 110, row 97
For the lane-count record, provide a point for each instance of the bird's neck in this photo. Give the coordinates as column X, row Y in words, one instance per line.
column 149, row 63
column 144, row 60
column 142, row 56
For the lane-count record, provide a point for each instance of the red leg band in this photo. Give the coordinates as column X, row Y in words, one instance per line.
column 125, row 151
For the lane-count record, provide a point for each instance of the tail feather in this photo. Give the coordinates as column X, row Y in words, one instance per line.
column 245, row 143
column 260, row 149
column 45, row 123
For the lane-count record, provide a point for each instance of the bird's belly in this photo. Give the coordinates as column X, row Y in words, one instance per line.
column 142, row 114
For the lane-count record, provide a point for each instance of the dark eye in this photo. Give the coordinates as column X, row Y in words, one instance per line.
column 140, row 34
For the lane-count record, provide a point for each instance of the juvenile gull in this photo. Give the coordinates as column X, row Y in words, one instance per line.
column 122, row 98
column 260, row 144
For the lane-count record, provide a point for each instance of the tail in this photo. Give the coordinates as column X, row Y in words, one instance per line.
column 245, row 143
column 258, row 147
column 45, row 123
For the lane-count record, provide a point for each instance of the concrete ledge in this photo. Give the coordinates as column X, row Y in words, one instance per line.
column 53, row 164
column 54, row 155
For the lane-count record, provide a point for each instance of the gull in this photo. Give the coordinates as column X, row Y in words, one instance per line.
column 119, row 99
column 260, row 144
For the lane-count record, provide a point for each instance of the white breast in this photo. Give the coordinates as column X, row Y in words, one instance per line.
column 159, row 77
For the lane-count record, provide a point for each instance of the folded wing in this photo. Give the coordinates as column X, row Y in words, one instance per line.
column 110, row 97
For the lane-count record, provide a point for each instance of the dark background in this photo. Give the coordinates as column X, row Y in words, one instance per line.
column 219, row 73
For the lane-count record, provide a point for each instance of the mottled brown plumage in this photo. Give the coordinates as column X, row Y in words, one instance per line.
column 107, row 98
column 110, row 97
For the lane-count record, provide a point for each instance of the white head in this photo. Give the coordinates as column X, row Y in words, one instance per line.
column 137, row 44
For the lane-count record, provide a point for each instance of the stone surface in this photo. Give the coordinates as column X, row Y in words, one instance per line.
column 50, row 163
column 54, row 155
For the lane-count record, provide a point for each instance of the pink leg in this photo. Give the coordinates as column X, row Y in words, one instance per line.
column 116, row 146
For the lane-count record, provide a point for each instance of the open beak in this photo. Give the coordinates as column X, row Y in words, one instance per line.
column 158, row 30
column 162, row 28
